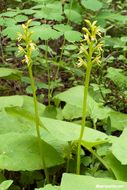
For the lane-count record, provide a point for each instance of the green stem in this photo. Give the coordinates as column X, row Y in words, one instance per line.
column 94, row 125
column 100, row 159
column 68, row 163
column 68, row 157
column 37, row 120
column 84, row 113
column 35, row 102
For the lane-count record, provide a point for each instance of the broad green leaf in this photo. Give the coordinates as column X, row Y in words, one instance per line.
column 72, row 36
column 118, row 120
column 7, row 73
column 49, row 15
column 24, row 102
column 5, row 184
column 70, row 112
column 119, row 170
column 96, row 110
column 9, row 13
column 62, row 27
column 75, row 182
column 21, row 18
column 8, row 22
column 73, row 96
column 105, row 15
column 74, row 102
column 28, row 105
column 117, row 77
column 21, row 119
column 92, row 5
column 44, row 32
column 23, row 122
column 119, row 147
column 12, row 31
column 10, row 122
column 49, row 187
column 73, row 16
column 50, row 112
column 11, row 101
column 27, row 11
column 21, row 152
column 51, row 11
column 68, row 131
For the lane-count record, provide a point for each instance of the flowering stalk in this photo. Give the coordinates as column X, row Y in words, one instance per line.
column 27, row 52
column 89, row 54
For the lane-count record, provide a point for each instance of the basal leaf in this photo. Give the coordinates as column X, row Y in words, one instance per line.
column 74, row 99
column 11, row 101
column 23, row 116
column 21, row 152
column 119, row 170
column 68, row 131
column 23, row 122
column 49, row 187
column 118, row 120
column 70, row 112
column 28, row 105
column 7, row 73
column 5, row 184
column 119, row 148
column 75, row 182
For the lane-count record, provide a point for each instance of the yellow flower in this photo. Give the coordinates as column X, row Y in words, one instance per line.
column 24, row 26
column 20, row 49
column 32, row 46
column 81, row 62
column 26, row 59
column 19, row 36
column 91, row 46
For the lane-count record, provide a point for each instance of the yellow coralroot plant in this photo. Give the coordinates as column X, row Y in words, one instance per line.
column 89, row 54
column 27, row 50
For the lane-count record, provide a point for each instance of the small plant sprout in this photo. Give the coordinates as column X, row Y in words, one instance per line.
column 89, row 54
column 27, row 50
